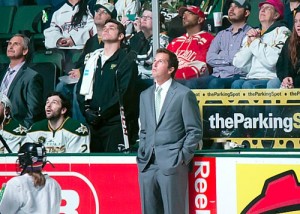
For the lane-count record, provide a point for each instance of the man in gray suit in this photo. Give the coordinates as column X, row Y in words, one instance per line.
column 170, row 133
column 22, row 85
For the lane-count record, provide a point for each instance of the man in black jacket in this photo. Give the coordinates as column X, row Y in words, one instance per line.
column 102, row 13
column 109, row 77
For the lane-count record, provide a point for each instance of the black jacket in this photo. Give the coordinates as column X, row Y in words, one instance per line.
column 284, row 65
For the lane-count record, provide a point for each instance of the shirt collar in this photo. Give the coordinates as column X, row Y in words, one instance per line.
column 243, row 28
column 17, row 67
column 166, row 85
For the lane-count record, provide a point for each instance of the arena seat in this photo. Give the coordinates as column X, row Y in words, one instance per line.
column 55, row 57
column 25, row 19
column 6, row 17
column 76, row 57
column 49, row 72
column 4, row 59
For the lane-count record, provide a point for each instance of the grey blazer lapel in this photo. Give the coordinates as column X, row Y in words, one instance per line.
column 170, row 94
column 152, row 104
column 15, row 81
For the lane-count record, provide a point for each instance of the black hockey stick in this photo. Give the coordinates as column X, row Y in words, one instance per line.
column 5, row 144
column 123, row 147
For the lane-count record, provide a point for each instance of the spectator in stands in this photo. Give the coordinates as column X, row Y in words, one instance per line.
column 71, row 26
column 12, row 132
column 102, row 13
column 32, row 191
column 192, row 47
column 142, row 44
column 126, row 11
column 109, row 76
column 288, row 65
column 262, row 48
column 60, row 133
column 289, row 12
column 169, row 135
column 223, row 48
column 22, row 85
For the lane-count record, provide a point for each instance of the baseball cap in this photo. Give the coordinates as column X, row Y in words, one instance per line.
column 278, row 5
column 243, row 3
column 192, row 9
column 110, row 8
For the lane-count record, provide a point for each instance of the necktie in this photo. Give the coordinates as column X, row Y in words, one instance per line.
column 157, row 102
column 6, row 80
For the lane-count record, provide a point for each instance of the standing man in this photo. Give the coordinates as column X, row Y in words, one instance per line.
column 223, row 48
column 170, row 133
column 22, row 85
column 191, row 48
column 60, row 133
column 102, row 13
column 109, row 76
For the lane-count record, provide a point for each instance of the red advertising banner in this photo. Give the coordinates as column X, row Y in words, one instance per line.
column 90, row 185
column 202, row 186
column 109, row 184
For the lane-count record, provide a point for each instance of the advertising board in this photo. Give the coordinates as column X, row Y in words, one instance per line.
column 260, row 118
column 90, row 184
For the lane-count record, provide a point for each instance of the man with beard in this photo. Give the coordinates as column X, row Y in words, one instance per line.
column 191, row 48
column 60, row 133
column 224, row 46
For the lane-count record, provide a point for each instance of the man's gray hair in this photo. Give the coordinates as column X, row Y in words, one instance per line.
column 26, row 40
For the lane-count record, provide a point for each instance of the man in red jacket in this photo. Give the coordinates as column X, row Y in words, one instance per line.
column 191, row 48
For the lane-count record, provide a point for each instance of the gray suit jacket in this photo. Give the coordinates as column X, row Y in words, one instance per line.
column 178, row 132
column 26, row 96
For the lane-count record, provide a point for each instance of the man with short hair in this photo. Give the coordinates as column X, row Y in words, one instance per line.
column 22, row 85
column 191, row 48
column 223, row 48
column 102, row 13
column 12, row 132
column 170, row 132
column 109, row 76
column 60, row 133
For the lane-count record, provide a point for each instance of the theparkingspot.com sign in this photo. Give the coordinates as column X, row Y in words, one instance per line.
column 260, row 118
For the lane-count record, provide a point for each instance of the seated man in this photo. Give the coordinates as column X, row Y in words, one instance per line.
column 142, row 44
column 223, row 48
column 262, row 48
column 192, row 47
column 11, row 131
column 59, row 132
column 22, row 85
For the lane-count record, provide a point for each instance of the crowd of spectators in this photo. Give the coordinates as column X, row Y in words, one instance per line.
column 106, row 31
